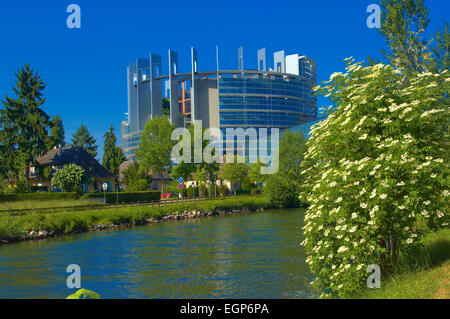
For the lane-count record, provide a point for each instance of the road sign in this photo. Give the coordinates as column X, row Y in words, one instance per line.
column 180, row 180
column 181, row 186
column 105, row 186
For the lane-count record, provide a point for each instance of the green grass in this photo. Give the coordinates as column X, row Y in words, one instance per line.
column 17, row 227
column 424, row 272
column 29, row 204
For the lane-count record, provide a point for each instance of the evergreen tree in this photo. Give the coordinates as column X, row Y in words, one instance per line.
column 82, row 138
column 112, row 154
column 403, row 27
column 57, row 135
column 23, row 124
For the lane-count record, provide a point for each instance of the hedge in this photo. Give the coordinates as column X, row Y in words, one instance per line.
column 37, row 196
column 127, row 197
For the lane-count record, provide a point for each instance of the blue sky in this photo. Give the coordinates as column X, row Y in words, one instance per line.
column 86, row 68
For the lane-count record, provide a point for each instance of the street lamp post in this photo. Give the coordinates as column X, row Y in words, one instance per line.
column 105, row 187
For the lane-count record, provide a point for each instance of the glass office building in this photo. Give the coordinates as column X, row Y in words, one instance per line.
column 265, row 102
column 280, row 97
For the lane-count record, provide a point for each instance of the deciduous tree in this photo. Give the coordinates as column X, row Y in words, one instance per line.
column 154, row 152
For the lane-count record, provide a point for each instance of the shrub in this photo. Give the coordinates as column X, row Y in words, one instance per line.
column 377, row 163
column 70, row 177
column 22, row 187
column 224, row 190
column 282, row 193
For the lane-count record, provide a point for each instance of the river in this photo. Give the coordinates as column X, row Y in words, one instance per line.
column 251, row 255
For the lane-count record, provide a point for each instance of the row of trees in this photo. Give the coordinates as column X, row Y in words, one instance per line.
column 26, row 130
column 154, row 154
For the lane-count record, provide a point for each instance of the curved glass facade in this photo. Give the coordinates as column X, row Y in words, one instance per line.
column 271, row 101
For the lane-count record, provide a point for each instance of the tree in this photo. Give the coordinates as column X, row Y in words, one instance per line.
column 376, row 166
column 23, row 124
column 136, row 179
column 184, row 170
column 57, row 135
column 201, row 176
column 166, row 106
column 254, row 173
column 82, row 138
column 112, row 154
column 70, row 177
column 292, row 148
column 234, row 172
column 283, row 187
column 403, row 25
column 441, row 55
column 154, row 152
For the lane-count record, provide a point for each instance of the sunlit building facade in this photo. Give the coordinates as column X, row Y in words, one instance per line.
column 280, row 97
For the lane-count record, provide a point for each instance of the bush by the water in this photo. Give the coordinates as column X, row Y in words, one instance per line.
column 283, row 193
column 372, row 168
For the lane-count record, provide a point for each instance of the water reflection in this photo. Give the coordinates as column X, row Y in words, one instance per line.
column 254, row 255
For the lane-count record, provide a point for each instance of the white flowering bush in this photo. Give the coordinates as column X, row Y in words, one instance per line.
column 372, row 169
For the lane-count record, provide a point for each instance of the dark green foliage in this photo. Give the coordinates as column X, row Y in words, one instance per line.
column 282, row 192
column 224, row 190
column 441, row 50
column 166, row 106
column 135, row 178
column 57, row 135
column 127, row 197
column 23, row 125
column 112, row 154
column 22, row 187
column 83, row 138
column 283, row 187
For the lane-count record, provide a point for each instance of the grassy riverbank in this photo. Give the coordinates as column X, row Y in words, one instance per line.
column 33, row 204
column 15, row 228
column 424, row 272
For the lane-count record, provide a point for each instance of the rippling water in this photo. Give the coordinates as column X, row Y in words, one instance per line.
column 254, row 255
